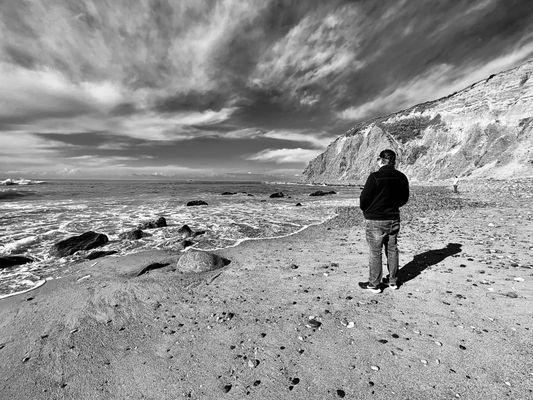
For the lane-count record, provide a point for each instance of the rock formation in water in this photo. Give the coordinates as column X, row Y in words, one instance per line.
column 484, row 130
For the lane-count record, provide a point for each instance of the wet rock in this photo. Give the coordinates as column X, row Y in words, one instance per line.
column 134, row 234
column 228, row 193
column 186, row 243
column 196, row 203
column 160, row 222
column 200, row 261
column 277, row 195
column 321, row 193
column 185, row 232
column 100, row 253
column 11, row 261
column 86, row 241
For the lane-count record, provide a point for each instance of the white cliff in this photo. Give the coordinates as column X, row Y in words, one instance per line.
column 484, row 130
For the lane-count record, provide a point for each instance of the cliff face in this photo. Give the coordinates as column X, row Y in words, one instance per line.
column 484, row 130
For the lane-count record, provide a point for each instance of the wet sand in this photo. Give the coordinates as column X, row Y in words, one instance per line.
column 458, row 327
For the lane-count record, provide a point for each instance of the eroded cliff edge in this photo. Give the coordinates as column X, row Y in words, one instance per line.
column 484, row 130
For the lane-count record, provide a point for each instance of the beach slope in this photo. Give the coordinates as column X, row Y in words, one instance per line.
column 285, row 319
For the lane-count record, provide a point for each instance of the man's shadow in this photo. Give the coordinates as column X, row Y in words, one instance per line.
column 426, row 259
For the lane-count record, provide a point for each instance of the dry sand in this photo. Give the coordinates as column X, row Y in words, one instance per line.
column 459, row 326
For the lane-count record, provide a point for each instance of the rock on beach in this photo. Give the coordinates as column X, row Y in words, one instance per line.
column 321, row 193
column 12, row 261
column 185, row 232
column 134, row 234
column 86, row 241
column 200, row 261
column 277, row 195
column 193, row 203
column 160, row 222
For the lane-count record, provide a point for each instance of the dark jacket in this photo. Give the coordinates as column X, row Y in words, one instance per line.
column 385, row 191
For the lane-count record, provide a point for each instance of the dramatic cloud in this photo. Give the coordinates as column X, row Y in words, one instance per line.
column 228, row 87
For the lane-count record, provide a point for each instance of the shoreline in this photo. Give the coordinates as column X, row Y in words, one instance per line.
column 237, row 242
column 244, row 330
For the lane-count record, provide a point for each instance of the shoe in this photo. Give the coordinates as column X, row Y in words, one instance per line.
column 369, row 287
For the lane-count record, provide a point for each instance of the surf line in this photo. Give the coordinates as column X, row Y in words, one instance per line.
column 38, row 285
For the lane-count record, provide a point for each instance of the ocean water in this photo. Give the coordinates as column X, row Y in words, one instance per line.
column 35, row 216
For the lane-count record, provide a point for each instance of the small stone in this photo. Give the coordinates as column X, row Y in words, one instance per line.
column 519, row 279
column 350, row 325
column 383, row 341
column 438, row 343
column 424, row 362
column 313, row 323
column 341, row 393
column 227, row 388
column 374, row 367
column 25, row 359
column 508, row 383
column 462, row 347
column 253, row 363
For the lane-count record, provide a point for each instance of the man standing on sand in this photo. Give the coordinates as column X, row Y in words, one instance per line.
column 385, row 191
column 455, row 184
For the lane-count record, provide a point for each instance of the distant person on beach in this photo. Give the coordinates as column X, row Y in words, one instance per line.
column 456, row 184
column 385, row 191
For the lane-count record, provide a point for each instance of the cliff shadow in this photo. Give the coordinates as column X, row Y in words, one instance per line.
column 426, row 259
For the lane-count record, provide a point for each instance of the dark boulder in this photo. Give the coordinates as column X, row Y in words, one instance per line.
column 228, row 193
column 277, row 195
column 86, row 241
column 186, row 243
column 200, row 261
column 100, row 253
column 11, row 261
column 161, row 222
column 196, row 203
column 134, row 234
column 321, row 193
column 185, row 232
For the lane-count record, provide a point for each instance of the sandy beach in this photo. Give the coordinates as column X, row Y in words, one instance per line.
column 286, row 320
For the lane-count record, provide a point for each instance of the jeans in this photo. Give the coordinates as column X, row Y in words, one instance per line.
column 381, row 234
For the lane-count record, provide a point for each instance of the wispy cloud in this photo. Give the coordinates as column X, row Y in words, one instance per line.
column 285, row 156
column 437, row 82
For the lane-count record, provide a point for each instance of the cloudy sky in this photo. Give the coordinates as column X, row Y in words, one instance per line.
column 232, row 88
